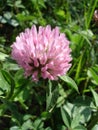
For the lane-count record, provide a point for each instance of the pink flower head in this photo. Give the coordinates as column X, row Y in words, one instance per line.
column 42, row 53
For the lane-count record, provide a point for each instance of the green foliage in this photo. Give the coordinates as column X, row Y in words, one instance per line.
column 70, row 81
column 71, row 102
column 95, row 127
column 76, row 114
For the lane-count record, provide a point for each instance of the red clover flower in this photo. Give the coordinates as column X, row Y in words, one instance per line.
column 42, row 53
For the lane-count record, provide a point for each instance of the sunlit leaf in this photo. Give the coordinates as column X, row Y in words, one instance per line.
column 27, row 125
column 79, row 127
column 95, row 95
column 18, row 4
column 65, row 117
column 15, row 128
column 92, row 74
column 7, row 15
column 95, row 127
column 10, row 81
column 4, row 86
column 3, row 56
column 2, row 19
column 70, row 82
column 14, row 22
